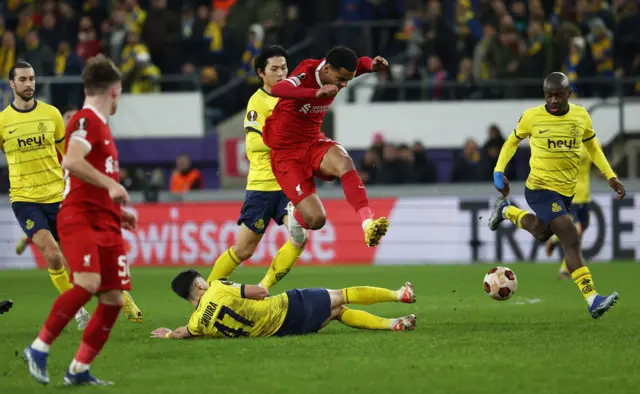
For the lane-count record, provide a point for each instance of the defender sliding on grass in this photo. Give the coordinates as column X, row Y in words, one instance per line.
column 227, row 309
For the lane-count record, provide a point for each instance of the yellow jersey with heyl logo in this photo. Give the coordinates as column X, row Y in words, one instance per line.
column 583, row 188
column 31, row 141
column 556, row 147
column 259, row 108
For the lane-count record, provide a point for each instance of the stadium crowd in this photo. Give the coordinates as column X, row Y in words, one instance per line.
column 447, row 49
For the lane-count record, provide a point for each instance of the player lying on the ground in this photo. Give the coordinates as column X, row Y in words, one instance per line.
column 557, row 131
column 227, row 309
column 580, row 207
column 264, row 199
column 300, row 150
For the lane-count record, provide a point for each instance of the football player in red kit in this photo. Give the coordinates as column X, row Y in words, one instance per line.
column 89, row 224
column 299, row 149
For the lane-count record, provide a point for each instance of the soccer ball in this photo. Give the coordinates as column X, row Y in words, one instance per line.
column 500, row 283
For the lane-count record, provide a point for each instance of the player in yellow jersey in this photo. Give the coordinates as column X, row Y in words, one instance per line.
column 32, row 136
column 229, row 310
column 557, row 131
column 579, row 207
column 264, row 199
column 21, row 245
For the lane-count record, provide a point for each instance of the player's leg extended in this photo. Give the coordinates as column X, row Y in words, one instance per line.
column 567, row 233
column 367, row 295
column 94, row 338
column 337, row 162
column 522, row 219
column 229, row 260
column 290, row 252
column 86, row 284
column 366, row 321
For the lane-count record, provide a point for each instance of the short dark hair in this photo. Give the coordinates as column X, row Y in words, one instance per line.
column 99, row 74
column 556, row 80
column 12, row 70
column 183, row 282
column 68, row 108
column 260, row 63
column 342, row 57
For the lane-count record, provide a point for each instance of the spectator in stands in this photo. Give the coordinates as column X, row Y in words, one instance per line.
column 160, row 33
column 293, row 29
column 425, row 170
column 440, row 39
column 467, row 86
column 136, row 16
column 469, row 167
column 131, row 51
column 270, row 16
column 254, row 46
column 185, row 178
column 88, row 45
column 214, row 33
column 505, row 56
column 192, row 33
column 575, row 65
column 48, row 32
column 115, row 37
column 520, row 18
column 7, row 54
column 38, row 55
column 368, row 167
column 144, row 77
column 25, row 23
column 481, row 68
column 67, row 63
column 468, row 29
column 436, row 76
column 96, row 11
column 384, row 92
column 539, row 57
column 601, row 43
column 68, row 23
column 131, row 183
column 393, row 168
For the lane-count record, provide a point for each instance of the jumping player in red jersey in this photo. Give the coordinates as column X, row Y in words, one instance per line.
column 299, row 149
column 89, row 224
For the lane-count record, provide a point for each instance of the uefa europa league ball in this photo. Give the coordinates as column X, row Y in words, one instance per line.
column 500, row 283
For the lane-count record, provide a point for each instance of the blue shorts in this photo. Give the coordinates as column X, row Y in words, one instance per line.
column 35, row 216
column 547, row 204
column 580, row 214
column 308, row 310
column 260, row 207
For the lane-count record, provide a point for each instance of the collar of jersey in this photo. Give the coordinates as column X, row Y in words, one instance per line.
column 24, row 111
column 322, row 63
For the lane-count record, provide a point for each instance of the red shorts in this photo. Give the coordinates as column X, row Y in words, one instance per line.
column 86, row 251
column 295, row 168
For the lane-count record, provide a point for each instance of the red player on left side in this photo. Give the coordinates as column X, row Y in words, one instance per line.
column 90, row 223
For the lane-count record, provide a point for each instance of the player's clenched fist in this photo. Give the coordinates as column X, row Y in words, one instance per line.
column 616, row 185
column 129, row 220
column 118, row 194
column 327, row 91
column 379, row 63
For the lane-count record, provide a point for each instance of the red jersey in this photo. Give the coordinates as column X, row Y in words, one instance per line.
column 83, row 202
column 297, row 117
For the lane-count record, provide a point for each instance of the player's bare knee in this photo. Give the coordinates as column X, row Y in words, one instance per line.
column 53, row 257
column 87, row 280
column 316, row 220
column 345, row 164
column 336, row 312
column 111, row 297
column 336, row 297
column 244, row 251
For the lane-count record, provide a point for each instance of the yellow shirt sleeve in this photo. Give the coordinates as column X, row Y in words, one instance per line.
column 254, row 142
column 192, row 327
column 522, row 131
column 59, row 132
column 598, row 157
column 255, row 117
column 589, row 133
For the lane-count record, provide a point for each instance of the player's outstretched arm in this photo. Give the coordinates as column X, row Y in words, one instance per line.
column 290, row 88
column 506, row 153
column 165, row 333
column 600, row 160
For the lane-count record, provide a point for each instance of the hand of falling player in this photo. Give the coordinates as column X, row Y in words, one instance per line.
column 118, row 194
column 327, row 91
column 160, row 332
column 379, row 63
column 616, row 185
column 501, row 183
column 129, row 220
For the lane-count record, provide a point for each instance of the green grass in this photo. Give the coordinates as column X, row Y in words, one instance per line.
column 541, row 341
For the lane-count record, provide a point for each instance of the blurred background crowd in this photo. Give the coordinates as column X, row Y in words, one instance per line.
column 439, row 50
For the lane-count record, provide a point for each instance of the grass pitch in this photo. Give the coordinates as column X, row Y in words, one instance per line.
column 541, row 341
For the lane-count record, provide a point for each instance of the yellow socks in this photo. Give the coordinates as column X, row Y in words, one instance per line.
column 224, row 266
column 60, row 279
column 365, row 295
column 563, row 267
column 281, row 264
column 584, row 281
column 514, row 214
column 361, row 319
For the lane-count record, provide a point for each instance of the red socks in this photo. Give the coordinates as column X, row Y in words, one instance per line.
column 300, row 219
column 97, row 332
column 356, row 194
column 63, row 310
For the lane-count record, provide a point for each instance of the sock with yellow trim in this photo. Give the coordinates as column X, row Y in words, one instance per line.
column 224, row 266
column 364, row 320
column 60, row 279
column 563, row 267
column 282, row 263
column 514, row 214
column 582, row 278
column 365, row 295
